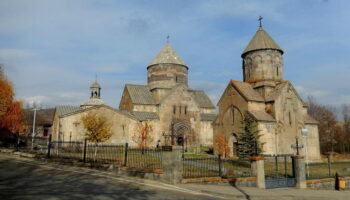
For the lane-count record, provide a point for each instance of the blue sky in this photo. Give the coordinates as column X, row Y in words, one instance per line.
column 51, row 50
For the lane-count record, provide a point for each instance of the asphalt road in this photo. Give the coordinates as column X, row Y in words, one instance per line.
column 26, row 179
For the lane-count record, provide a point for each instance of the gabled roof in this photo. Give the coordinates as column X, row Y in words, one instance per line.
column 273, row 95
column 247, row 91
column 207, row 117
column 140, row 94
column 202, row 99
column 167, row 56
column 43, row 116
column 63, row 110
column 262, row 116
column 126, row 113
column 276, row 92
column 143, row 116
column 260, row 41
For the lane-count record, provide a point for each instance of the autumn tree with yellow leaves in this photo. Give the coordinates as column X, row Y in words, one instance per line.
column 97, row 128
column 221, row 143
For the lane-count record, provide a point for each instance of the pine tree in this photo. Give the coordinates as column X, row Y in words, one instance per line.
column 248, row 138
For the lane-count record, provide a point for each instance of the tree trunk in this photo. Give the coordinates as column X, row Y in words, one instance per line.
column 95, row 153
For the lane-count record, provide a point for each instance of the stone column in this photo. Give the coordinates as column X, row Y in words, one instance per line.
column 299, row 171
column 257, row 169
column 172, row 165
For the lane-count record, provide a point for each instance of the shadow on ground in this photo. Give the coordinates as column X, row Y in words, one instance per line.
column 23, row 181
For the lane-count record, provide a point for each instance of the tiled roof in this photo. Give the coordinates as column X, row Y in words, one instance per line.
column 262, row 116
column 309, row 120
column 202, row 99
column 261, row 40
column 140, row 94
column 142, row 116
column 167, row 56
column 63, row 110
column 247, row 91
column 43, row 116
column 123, row 112
column 208, row 117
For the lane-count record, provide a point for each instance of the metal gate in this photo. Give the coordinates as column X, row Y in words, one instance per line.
column 279, row 171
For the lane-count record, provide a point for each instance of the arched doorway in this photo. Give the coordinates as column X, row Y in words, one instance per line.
column 234, row 143
column 182, row 134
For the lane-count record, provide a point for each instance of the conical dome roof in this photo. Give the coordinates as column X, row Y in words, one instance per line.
column 260, row 41
column 167, row 56
column 95, row 85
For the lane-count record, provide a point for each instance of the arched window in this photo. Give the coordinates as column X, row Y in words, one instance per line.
column 233, row 115
column 290, row 118
column 234, row 140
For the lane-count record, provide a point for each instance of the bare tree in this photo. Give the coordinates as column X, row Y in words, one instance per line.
column 327, row 118
column 346, row 126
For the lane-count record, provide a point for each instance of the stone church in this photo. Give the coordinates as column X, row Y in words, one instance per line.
column 273, row 102
column 177, row 114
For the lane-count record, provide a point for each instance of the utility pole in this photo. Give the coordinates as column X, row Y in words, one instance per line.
column 33, row 133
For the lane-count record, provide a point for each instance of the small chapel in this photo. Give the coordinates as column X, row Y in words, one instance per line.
column 279, row 111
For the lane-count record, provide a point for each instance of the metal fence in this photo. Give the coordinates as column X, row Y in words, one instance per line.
column 144, row 158
column 27, row 143
column 327, row 170
column 278, row 166
column 215, row 167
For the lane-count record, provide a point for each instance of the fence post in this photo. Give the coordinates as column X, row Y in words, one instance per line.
column 220, row 170
column 172, row 163
column 126, row 154
column 84, row 153
column 49, row 146
column 329, row 165
column 257, row 169
column 299, row 169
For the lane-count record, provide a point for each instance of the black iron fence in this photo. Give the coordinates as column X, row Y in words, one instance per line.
column 279, row 171
column 215, row 167
column 327, row 170
column 120, row 155
column 278, row 166
column 144, row 158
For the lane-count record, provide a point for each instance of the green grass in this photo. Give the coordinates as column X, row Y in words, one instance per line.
column 321, row 170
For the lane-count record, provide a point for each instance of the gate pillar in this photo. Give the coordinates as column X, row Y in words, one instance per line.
column 172, row 164
column 299, row 171
column 257, row 169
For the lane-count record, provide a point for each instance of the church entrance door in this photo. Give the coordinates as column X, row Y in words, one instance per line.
column 182, row 134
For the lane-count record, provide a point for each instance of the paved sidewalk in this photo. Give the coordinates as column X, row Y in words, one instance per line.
column 255, row 193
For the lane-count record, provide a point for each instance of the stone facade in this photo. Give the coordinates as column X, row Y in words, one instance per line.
column 279, row 111
column 184, row 115
column 69, row 126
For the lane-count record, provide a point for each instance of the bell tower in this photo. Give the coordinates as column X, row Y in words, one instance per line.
column 262, row 59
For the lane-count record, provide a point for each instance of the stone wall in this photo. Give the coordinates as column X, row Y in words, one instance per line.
column 123, row 127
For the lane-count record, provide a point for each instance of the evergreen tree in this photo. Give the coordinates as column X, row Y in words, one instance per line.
column 248, row 138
